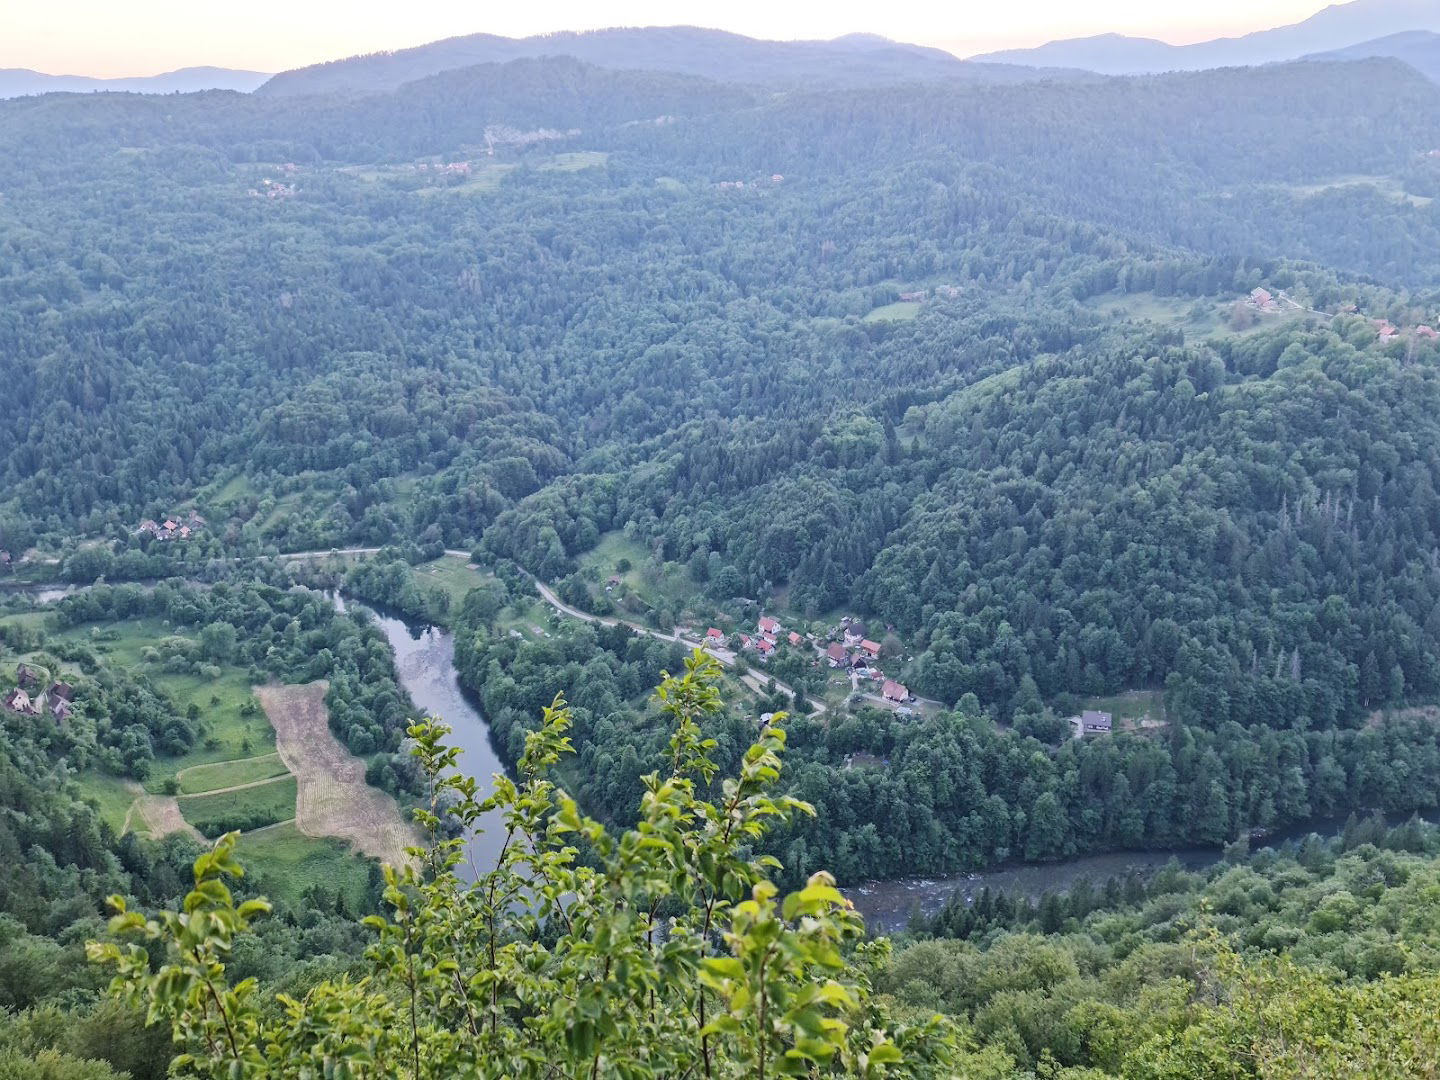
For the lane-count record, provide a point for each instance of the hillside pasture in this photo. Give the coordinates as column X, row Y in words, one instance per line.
column 248, row 806
column 333, row 798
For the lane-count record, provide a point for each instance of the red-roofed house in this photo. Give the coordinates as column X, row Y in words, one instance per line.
column 1427, row 332
column 768, row 625
column 744, row 641
column 796, row 639
column 894, row 691
column 19, row 701
column 870, row 648
column 714, row 637
column 837, row 655
column 765, row 647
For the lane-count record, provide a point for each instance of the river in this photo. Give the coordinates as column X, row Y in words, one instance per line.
column 425, row 660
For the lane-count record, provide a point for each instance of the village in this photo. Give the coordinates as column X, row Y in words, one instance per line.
column 31, row 696
column 1264, row 302
column 846, row 648
column 172, row 528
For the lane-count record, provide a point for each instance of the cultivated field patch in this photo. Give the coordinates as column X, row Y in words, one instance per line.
column 242, row 807
column 198, row 779
column 157, row 816
column 333, row 798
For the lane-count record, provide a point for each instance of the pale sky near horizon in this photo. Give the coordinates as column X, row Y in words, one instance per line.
column 110, row 38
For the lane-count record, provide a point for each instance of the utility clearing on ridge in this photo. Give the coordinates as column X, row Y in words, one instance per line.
column 333, row 798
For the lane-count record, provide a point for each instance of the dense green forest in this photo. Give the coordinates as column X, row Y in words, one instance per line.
column 953, row 791
column 1313, row 961
column 1079, row 464
column 981, row 363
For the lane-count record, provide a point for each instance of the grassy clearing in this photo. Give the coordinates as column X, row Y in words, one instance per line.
column 244, row 809
column 1208, row 318
column 669, row 183
column 225, row 731
column 1387, row 186
column 1133, row 708
column 286, row 862
column 483, row 180
column 900, row 311
column 111, row 794
column 575, row 161
column 645, row 585
column 199, row 779
column 33, row 620
column 233, row 490
column 450, row 573
column 524, row 617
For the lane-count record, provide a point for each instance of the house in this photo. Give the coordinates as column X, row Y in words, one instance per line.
column 837, row 655
column 25, row 675
column 854, row 633
column 768, row 626
column 1092, row 721
column 1262, row 300
column 894, row 691
column 796, row 639
column 61, row 709
column 776, row 178
column 19, row 701
column 870, row 649
column 63, row 691
column 914, row 297
column 744, row 641
column 765, row 647
column 714, row 638
column 148, row 528
column 1386, row 331
column 1422, row 331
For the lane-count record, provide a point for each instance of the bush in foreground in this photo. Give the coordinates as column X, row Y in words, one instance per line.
column 664, row 952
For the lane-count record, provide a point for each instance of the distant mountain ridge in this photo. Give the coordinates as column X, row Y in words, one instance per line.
column 854, row 60
column 1418, row 48
column 1337, row 27
column 20, row 82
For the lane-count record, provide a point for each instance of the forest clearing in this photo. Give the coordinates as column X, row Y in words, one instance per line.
column 158, row 816
column 333, row 798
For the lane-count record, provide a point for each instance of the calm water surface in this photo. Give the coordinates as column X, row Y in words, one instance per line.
column 425, row 661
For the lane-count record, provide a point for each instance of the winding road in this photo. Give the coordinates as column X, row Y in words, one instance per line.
column 725, row 656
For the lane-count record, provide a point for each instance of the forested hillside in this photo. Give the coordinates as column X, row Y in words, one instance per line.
column 1112, row 394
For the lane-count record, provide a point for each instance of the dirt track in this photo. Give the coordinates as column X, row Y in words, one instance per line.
column 333, row 798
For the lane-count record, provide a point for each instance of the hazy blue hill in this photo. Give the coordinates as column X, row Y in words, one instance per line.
column 855, row 60
column 1336, row 27
column 18, row 82
column 443, row 113
column 1418, row 48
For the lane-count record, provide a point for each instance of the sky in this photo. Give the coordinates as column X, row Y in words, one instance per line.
column 110, row 38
